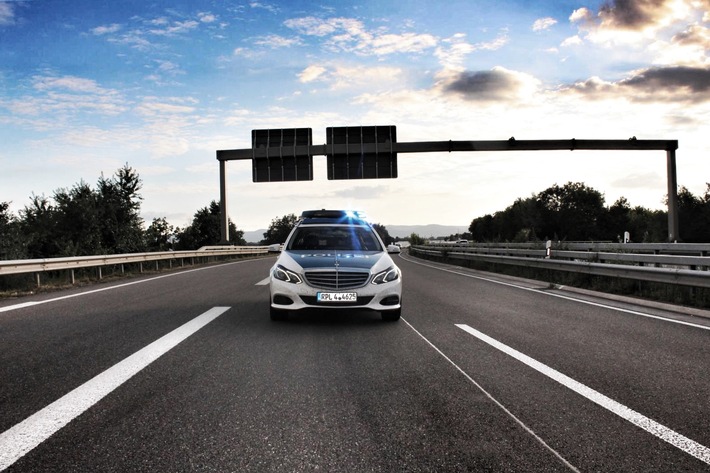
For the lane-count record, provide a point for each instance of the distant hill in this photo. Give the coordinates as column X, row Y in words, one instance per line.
column 395, row 231
column 254, row 237
column 425, row 231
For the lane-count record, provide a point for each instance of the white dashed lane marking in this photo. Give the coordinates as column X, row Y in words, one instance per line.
column 28, row 434
column 685, row 444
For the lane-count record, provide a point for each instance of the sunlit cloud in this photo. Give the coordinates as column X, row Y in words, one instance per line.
column 311, row 73
column 542, row 24
column 659, row 84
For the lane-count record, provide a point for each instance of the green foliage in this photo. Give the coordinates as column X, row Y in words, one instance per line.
column 11, row 246
column 159, row 236
column 415, row 239
column 577, row 212
column 119, row 212
column 82, row 221
column 205, row 230
column 279, row 229
column 383, row 233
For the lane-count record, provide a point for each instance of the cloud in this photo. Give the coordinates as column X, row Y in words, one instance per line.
column 275, row 41
column 7, row 14
column 657, row 84
column 543, row 24
column 311, row 73
column 206, row 17
column 634, row 21
column 351, row 36
column 66, row 96
column 176, row 28
column 694, row 35
column 452, row 51
column 571, row 41
column 365, row 77
column 635, row 14
column 497, row 84
column 265, row 6
column 107, row 29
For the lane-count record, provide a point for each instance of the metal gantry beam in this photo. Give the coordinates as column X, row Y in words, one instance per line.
column 669, row 146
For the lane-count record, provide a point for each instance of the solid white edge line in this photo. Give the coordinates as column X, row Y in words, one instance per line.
column 28, row 434
column 685, row 444
column 561, row 296
column 495, row 401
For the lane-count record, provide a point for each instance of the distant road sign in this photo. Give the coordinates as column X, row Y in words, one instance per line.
column 361, row 152
column 282, row 155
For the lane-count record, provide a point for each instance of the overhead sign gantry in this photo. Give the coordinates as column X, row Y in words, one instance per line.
column 370, row 152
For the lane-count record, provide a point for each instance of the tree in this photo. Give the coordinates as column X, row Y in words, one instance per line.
column 616, row 221
column 383, row 233
column 159, row 235
column 119, row 203
column 572, row 211
column 77, row 221
column 694, row 215
column 415, row 239
column 11, row 246
column 38, row 228
column 279, row 229
column 205, row 230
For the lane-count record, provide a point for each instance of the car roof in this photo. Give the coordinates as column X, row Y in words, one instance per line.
column 332, row 217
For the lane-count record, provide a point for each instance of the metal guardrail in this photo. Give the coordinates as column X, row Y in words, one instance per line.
column 39, row 266
column 686, row 264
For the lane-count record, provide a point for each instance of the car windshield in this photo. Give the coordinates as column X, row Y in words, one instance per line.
column 347, row 238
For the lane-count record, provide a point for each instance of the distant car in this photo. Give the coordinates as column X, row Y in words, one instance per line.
column 394, row 249
column 462, row 242
column 334, row 259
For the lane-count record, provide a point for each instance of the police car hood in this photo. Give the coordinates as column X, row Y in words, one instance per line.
column 343, row 260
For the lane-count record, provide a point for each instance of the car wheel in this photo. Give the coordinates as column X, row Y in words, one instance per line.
column 391, row 315
column 278, row 315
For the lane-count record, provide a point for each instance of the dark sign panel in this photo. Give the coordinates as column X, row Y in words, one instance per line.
column 282, row 155
column 361, row 152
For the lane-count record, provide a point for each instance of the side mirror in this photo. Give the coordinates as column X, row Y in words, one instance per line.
column 275, row 248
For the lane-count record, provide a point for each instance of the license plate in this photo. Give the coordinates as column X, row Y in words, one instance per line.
column 337, row 297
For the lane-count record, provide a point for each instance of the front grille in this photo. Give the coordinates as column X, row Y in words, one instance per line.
column 335, row 280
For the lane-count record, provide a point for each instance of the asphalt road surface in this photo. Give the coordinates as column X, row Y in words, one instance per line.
column 186, row 372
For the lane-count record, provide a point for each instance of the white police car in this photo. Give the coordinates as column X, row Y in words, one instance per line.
column 335, row 259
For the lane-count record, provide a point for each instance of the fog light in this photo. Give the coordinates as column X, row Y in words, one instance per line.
column 282, row 300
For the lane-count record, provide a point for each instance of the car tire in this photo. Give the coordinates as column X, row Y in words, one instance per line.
column 278, row 315
column 391, row 315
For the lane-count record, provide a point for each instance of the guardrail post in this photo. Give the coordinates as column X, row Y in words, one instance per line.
column 37, row 279
column 673, row 233
column 140, row 265
column 72, row 276
column 99, row 272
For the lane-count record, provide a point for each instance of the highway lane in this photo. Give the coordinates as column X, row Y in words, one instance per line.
column 336, row 391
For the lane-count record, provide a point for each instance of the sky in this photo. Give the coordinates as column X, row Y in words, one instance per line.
column 88, row 86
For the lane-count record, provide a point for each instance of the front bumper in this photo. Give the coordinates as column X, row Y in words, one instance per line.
column 379, row 297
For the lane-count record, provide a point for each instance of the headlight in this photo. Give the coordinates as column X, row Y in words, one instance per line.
column 388, row 275
column 283, row 274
